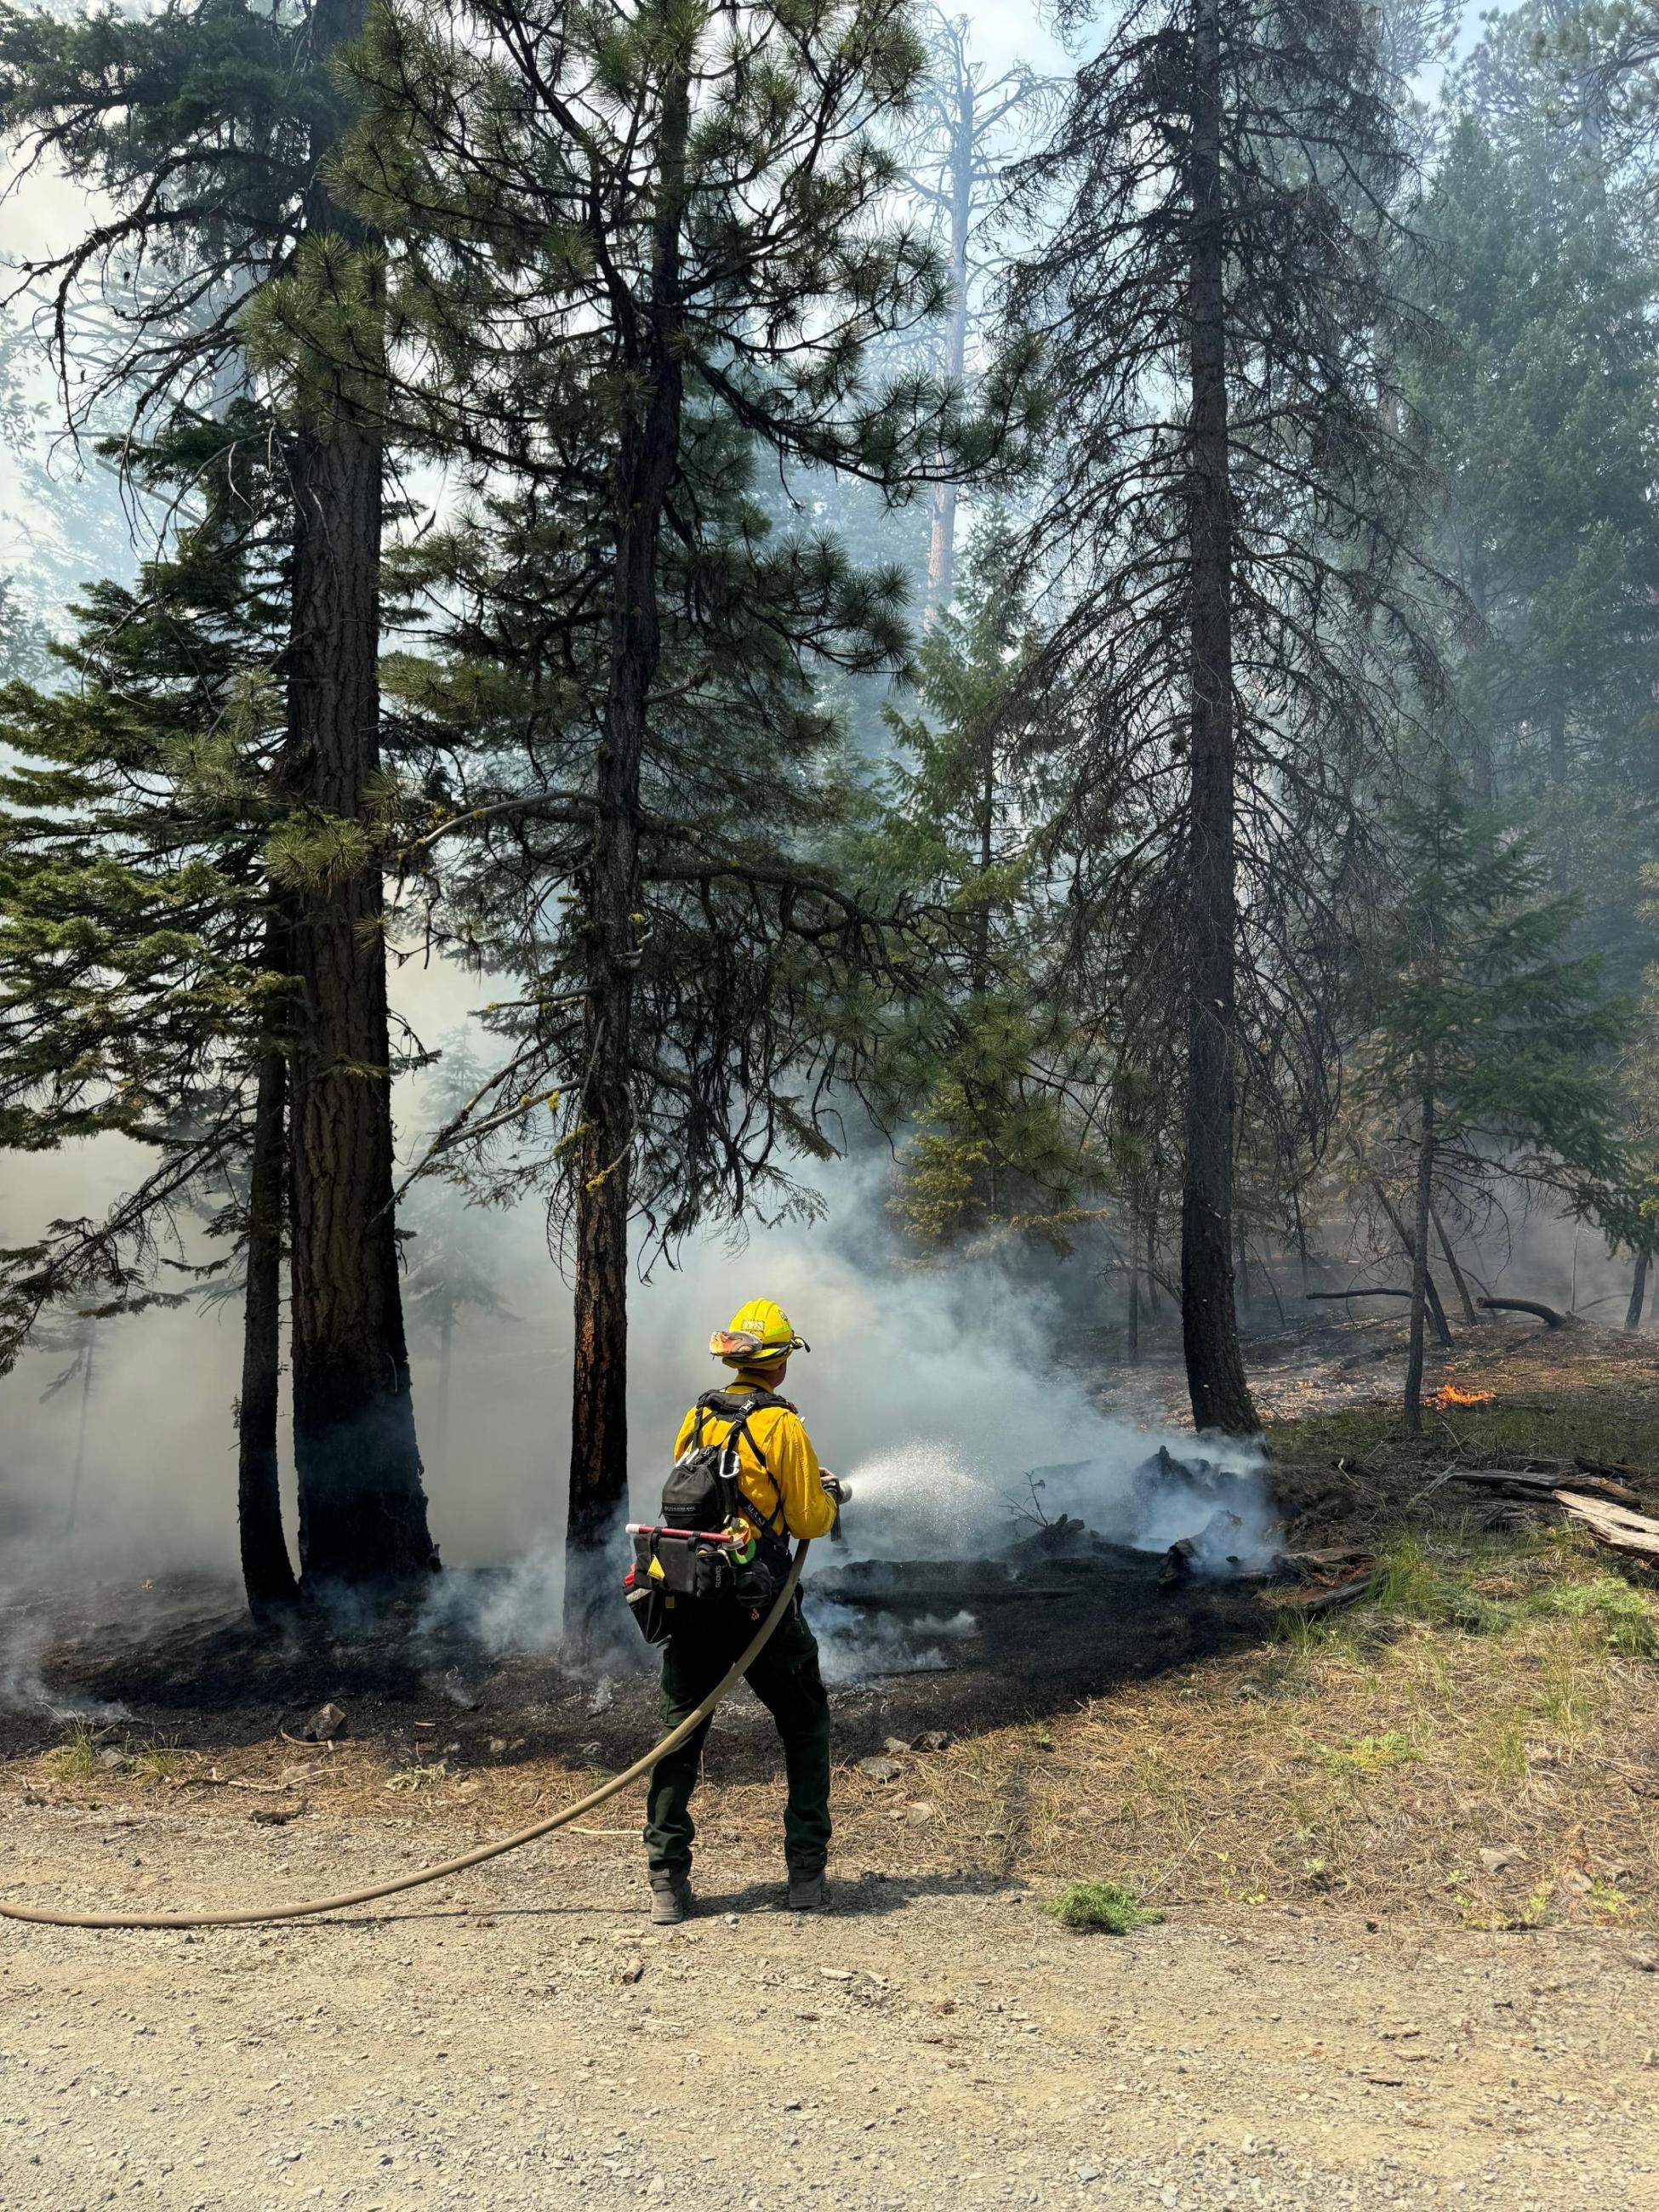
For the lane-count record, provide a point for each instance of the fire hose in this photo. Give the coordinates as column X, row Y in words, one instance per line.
column 672, row 1742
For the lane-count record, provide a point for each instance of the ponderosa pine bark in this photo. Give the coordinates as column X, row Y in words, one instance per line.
column 1215, row 1369
column 362, row 1508
column 646, row 465
column 267, row 1570
column 1639, row 1292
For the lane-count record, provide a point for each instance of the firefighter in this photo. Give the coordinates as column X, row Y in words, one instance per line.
column 779, row 1475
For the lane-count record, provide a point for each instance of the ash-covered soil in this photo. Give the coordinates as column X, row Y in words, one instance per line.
column 178, row 1663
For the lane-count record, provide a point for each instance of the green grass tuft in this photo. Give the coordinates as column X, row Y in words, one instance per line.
column 427, row 1777
column 1626, row 1620
column 158, row 1761
column 1107, row 1908
column 75, row 1760
column 1368, row 1754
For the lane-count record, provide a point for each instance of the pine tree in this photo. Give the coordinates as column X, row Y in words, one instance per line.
column 970, row 125
column 683, row 212
column 1539, row 408
column 999, row 1146
column 1224, row 526
column 1490, row 1043
column 142, row 951
column 208, row 132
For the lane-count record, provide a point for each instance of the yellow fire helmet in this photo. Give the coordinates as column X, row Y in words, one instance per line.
column 757, row 1333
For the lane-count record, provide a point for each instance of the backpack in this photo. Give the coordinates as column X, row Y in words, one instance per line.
column 713, row 1546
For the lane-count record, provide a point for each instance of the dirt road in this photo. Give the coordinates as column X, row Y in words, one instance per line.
column 519, row 2039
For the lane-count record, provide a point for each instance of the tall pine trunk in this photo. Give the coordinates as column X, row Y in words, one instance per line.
column 1215, row 1369
column 1420, row 1258
column 646, row 465
column 362, row 1508
column 1639, row 1292
column 267, row 1572
column 941, row 542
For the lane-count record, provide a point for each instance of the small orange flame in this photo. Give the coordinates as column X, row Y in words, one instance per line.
column 1449, row 1395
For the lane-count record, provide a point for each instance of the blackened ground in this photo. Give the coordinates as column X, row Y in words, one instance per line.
column 190, row 1672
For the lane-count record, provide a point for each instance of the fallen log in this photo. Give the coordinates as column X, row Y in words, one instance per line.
column 1547, row 1314
column 1309, row 1605
column 1338, row 1555
column 1615, row 1469
column 1613, row 1524
column 1529, row 1482
column 1375, row 1291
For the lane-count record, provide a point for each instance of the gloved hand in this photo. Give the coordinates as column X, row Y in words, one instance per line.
column 839, row 1491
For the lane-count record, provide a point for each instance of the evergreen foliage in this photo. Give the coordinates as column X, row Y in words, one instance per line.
column 1540, row 404
column 1490, row 1044
column 998, row 1145
column 134, row 798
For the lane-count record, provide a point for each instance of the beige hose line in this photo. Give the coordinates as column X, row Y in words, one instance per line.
column 670, row 1742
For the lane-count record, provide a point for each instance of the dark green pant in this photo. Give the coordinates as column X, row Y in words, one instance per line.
column 786, row 1680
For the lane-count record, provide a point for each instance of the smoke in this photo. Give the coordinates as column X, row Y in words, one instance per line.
column 935, row 1393
column 24, row 1688
column 517, row 1608
column 858, row 1645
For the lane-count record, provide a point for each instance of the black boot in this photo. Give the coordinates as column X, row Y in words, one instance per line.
column 671, row 1898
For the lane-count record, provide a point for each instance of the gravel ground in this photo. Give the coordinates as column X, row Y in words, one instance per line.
column 520, row 2038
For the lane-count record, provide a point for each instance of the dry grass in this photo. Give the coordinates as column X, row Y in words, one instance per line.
column 1476, row 1745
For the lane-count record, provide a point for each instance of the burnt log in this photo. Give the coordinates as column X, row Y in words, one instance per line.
column 1526, row 1482
column 1547, row 1314
column 1310, row 1604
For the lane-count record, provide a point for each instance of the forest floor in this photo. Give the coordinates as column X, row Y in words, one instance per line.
column 1408, row 1859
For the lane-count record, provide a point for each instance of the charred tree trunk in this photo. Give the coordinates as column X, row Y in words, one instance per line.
column 1215, row 1369
column 363, row 1508
column 1457, row 1276
column 1420, row 1259
column 267, row 1572
column 645, row 467
column 941, row 542
column 1639, row 1292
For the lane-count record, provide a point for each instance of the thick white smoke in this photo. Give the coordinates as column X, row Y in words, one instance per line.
column 934, row 1392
